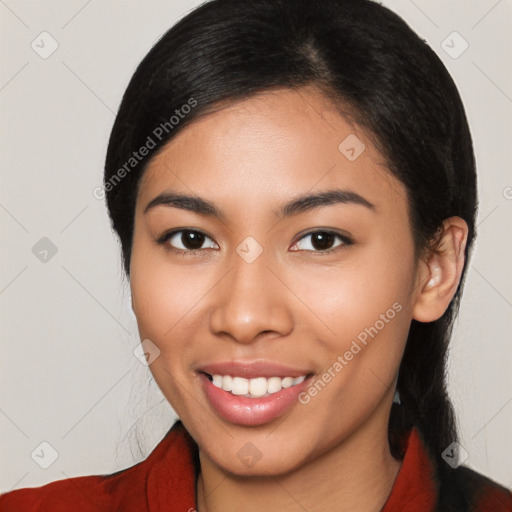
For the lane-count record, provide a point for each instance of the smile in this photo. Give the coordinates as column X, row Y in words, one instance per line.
column 254, row 388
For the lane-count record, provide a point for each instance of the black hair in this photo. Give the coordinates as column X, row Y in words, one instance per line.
column 369, row 62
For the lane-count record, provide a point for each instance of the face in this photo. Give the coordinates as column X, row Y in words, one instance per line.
column 302, row 312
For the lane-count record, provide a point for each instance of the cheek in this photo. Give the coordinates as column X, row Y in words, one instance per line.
column 367, row 306
column 351, row 296
column 162, row 292
column 162, row 298
column 382, row 302
column 370, row 322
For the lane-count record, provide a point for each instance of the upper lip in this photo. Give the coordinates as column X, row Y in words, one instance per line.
column 252, row 369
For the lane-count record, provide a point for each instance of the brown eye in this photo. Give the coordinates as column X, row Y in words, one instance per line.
column 186, row 240
column 322, row 241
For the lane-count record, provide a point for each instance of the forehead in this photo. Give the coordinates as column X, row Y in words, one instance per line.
column 270, row 147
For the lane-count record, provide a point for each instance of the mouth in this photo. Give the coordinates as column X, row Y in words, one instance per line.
column 253, row 388
column 252, row 393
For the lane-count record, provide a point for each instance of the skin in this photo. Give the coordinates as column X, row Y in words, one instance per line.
column 292, row 305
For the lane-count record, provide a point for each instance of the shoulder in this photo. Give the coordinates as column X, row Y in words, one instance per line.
column 431, row 484
column 84, row 493
column 465, row 489
column 129, row 490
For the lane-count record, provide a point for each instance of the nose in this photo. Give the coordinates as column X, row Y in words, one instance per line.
column 250, row 303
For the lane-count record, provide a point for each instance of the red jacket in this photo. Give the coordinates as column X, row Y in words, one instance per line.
column 165, row 482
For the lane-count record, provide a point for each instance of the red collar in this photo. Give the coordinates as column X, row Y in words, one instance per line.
column 173, row 466
column 414, row 487
column 172, row 475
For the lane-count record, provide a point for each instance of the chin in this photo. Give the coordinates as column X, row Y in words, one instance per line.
column 279, row 464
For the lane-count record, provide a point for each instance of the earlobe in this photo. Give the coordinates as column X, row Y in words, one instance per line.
column 439, row 275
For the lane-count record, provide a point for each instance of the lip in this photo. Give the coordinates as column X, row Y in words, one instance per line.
column 240, row 410
column 252, row 369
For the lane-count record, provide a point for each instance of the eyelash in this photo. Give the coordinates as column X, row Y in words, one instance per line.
column 164, row 239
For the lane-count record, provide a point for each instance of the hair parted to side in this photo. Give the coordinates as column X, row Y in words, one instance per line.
column 370, row 63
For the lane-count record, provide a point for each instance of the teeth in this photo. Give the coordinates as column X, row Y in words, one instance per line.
column 227, row 382
column 298, row 380
column 258, row 387
column 240, row 386
column 217, row 381
column 287, row 382
column 274, row 384
column 254, row 388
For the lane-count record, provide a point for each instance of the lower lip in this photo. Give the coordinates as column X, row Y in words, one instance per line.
column 241, row 410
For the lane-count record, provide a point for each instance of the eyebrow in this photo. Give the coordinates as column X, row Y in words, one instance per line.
column 297, row 205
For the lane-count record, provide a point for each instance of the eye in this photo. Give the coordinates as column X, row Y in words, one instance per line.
column 322, row 241
column 187, row 240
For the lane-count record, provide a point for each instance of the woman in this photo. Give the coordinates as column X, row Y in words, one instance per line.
column 293, row 185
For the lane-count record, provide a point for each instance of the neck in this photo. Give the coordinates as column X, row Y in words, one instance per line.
column 357, row 474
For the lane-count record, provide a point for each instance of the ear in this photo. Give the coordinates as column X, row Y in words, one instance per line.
column 438, row 275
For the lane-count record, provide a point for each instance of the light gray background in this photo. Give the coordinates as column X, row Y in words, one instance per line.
column 68, row 373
